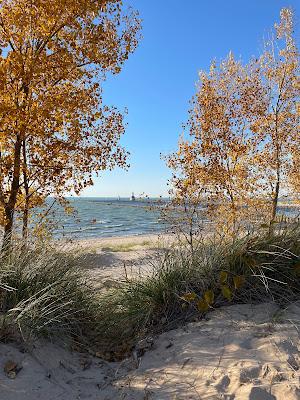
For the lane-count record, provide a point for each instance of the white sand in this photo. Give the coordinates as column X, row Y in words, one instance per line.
column 241, row 352
column 119, row 240
column 110, row 259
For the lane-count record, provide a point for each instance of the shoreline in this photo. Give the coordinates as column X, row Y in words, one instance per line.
column 136, row 240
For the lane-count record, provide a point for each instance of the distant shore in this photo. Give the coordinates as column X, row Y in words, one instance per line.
column 134, row 240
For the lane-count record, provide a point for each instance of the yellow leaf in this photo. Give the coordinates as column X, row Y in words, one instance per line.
column 209, row 297
column 226, row 292
column 223, row 276
column 189, row 296
column 238, row 281
column 202, row 305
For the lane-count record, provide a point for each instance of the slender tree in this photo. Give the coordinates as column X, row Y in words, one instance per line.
column 244, row 129
column 277, row 129
column 217, row 160
column 54, row 130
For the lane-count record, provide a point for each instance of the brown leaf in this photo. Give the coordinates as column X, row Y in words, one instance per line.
column 11, row 369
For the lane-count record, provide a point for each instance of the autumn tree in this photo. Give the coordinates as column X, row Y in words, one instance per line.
column 54, row 130
column 277, row 129
column 243, row 126
column 215, row 164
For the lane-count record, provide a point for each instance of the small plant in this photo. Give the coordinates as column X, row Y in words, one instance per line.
column 204, row 303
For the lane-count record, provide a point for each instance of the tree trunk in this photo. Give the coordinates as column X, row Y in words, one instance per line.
column 11, row 204
column 275, row 202
column 26, row 189
column 9, row 217
column 278, row 169
column 25, row 221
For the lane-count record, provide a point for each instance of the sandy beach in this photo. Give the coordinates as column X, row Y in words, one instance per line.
column 237, row 352
column 240, row 352
column 109, row 259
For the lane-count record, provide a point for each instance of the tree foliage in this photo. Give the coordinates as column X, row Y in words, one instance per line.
column 54, row 129
column 243, row 150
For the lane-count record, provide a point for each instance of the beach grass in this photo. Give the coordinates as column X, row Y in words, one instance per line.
column 184, row 286
column 44, row 290
column 126, row 247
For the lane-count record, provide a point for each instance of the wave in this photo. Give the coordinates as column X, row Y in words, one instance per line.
column 83, row 229
column 113, row 226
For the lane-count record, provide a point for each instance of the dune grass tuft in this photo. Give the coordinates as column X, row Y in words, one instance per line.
column 43, row 292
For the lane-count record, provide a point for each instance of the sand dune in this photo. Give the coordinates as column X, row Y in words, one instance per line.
column 239, row 352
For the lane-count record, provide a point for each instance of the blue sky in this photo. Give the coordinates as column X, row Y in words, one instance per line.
column 180, row 38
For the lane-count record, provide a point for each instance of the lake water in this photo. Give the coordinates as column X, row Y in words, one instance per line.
column 97, row 217
column 107, row 217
